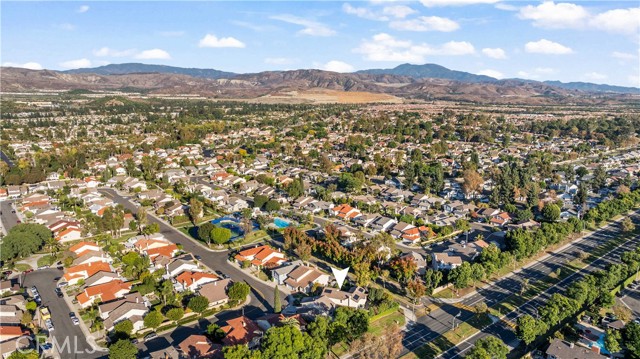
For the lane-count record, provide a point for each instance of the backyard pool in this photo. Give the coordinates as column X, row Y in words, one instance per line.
column 281, row 223
column 600, row 344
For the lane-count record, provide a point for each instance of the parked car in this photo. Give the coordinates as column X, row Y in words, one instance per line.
column 58, row 292
column 75, row 321
column 49, row 325
column 150, row 336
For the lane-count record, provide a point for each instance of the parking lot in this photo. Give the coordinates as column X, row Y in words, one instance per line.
column 631, row 299
column 70, row 339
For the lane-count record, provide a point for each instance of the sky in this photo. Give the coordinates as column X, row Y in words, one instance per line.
column 592, row 41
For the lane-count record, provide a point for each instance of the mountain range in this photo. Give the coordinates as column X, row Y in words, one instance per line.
column 413, row 82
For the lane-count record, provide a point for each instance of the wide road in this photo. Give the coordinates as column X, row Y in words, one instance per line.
column 6, row 159
column 9, row 219
column 64, row 330
column 441, row 320
column 262, row 295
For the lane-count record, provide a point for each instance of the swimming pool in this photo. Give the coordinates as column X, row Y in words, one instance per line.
column 600, row 344
column 281, row 223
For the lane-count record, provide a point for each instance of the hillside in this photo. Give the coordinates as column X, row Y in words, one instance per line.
column 133, row 68
column 432, row 71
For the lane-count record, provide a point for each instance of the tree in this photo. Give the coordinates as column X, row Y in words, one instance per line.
column 612, row 341
column 260, row 200
column 472, row 182
column 416, row 289
column 175, row 314
column 195, row 210
column 215, row 332
column 528, row 328
column 349, row 183
column 122, row 349
column 27, row 318
column 477, row 273
column 288, row 342
column 623, row 313
column 631, row 335
column 141, row 216
column 123, row 329
column 24, row 354
column 551, row 212
column 386, row 345
column 23, row 240
column 204, row 232
column 272, row 205
column 277, row 305
column 628, row 225
column 403, row 268
column 432, row 279
column 153, row 319
column 239, row 291
column 220, row 235
column 198, row 304
column 303, row 250
column 241, row 351
column 488, row 348
column 461, row 276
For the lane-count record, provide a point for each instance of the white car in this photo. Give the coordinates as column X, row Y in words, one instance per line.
column 49, row 325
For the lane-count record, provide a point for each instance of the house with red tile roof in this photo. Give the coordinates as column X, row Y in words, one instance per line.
column 103, row 293
column 411, row 235
column 263, row 256
column 501, row 219
column 83, row 271
column 192, row 280
column 8, row 332
column 241, row 330
column 168, row 251
column 345, row 211
column 69, row 234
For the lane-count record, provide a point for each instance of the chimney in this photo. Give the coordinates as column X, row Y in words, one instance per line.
column 595, row 349
column 571, row 345
column 244, row 325
column 137, row 299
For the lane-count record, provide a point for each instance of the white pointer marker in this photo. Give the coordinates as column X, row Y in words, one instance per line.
column 340, row 274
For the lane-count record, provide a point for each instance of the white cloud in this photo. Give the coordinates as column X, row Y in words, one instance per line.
column 83, row 9
column 544, row 70
column 363, row 12
column 545, row 46
column 212, row 41
column 107, row 52
column 384, row 47
column 432, row 3
column 496, row 53
column 76, row 64
column 623, row 55
column 337, row 66
column 426, row 23
column 492, row 73
column 280, row 60
column 153, row 54
column 398, row 11
column 506, row 7
column 555, row 16
column 26, row 65
column 623, row 21
column 310, row 27
column 595, row 76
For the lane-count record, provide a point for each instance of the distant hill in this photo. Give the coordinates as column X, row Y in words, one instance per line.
column 138, row 68
column 589, row 87
column 431, row 71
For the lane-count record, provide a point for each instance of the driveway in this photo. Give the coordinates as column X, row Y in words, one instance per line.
column 71, row 341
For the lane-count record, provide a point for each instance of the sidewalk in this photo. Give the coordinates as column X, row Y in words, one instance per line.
column 91, row 340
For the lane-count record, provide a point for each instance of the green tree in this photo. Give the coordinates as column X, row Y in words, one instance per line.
column 195, row 210
column 141, row 216
column 288, row 342
column 220, row 235
column 272, row 206
column 612, row 341
column 123, row 329
column 461, row 276
column 198, row 304
column 631, row 335
column 153, row 319
column 175, row 314
column 260, row 200
column 239, row 291
column 528, row 328
column 122, row 349
column 477, row 273
column 432, row 279
column 215, row 332
column 551, row 212
column 241, row 351
column 628, row 225
column 277, row 304
column 204, row 232
column 25, row 354
column 488, row 348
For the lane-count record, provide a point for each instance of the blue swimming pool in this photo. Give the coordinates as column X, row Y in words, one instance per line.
column 281, row 223
column 600, row 344
column 233, row 225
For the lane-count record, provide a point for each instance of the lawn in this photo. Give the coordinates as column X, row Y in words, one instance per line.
column 21, row 267
column 378, row 324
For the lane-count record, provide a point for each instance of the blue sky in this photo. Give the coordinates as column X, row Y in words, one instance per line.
column 573, row 41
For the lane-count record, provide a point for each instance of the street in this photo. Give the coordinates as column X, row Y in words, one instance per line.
column 262, row 295
column 505, row 287
column 70, row 339
column 9, row 219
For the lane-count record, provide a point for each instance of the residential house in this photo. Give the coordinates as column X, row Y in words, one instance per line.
column 330, row 298
column 193, row 280
column 103, row 293
column 279, row 275
column 263, row 256
column 181, row 264
column 198, row 346
column 560, row 349
column 74, row 274
column 303, row 278
column 242, row 330
column 134, row 312
column 215, row 292
column 418, row 259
